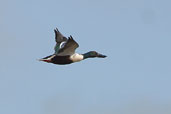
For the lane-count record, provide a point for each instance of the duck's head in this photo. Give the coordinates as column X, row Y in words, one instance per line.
column 92, row 54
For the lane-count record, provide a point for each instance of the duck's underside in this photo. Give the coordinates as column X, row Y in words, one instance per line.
column 61, row 60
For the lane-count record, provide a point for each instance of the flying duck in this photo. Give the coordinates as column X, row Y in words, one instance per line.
column 65, row 51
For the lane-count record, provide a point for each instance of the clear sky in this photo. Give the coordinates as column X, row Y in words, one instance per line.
column 135, row 78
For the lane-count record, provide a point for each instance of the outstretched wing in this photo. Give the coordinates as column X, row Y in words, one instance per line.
column 60, row 40
column 69, row 48
column 59, row 37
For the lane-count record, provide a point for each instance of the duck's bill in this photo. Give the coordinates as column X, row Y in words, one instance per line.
column 101, row 56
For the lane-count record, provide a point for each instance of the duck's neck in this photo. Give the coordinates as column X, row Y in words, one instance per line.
column 87, row 55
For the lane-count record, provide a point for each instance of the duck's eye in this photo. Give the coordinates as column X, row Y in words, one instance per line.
column 62, row 44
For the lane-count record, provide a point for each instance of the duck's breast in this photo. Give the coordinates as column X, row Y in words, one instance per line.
column 76, row 57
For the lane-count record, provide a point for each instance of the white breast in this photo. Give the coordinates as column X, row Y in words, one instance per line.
column 76, row 57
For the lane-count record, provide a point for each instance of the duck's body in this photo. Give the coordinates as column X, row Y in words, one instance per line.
column 62, row 60
column 65, row 51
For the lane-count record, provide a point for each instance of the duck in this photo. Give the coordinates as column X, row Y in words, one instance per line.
column 65, row 51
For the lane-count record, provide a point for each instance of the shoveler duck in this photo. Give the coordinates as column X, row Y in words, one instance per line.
column 65, row 51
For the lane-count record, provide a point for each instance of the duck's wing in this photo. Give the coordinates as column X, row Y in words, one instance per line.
column 69, row 48
column 60, row 40
column 59, row 37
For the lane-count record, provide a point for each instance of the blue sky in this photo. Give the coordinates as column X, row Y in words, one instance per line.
column 133, row 79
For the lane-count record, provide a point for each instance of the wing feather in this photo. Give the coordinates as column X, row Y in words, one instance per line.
column 69, row 47
column 59, row 38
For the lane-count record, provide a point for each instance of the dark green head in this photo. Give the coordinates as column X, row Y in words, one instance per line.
column 93, row 54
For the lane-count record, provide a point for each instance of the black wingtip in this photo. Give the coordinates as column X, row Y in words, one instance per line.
column 70, row 37
column 56, row 30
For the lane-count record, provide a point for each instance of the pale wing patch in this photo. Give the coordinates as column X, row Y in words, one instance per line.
column 62, row 44
column 76, row 57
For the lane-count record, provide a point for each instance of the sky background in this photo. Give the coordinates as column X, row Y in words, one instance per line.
column 135, row 78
